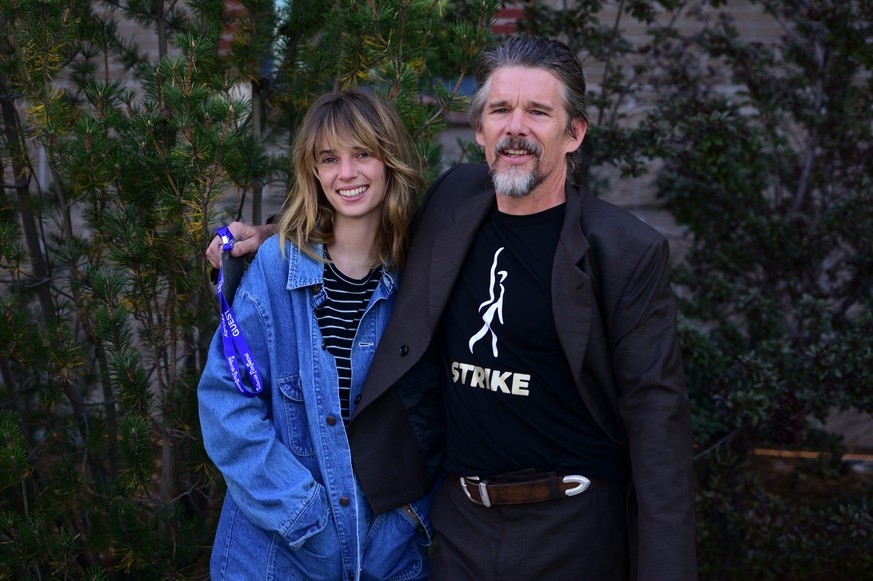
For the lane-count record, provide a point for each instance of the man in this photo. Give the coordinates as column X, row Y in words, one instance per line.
column 532, row 358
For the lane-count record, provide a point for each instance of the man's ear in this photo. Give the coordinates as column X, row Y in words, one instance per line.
column 574, row 139
column 480, row 138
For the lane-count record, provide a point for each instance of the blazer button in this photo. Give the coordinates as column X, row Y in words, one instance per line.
column 344, row 501
column 404, row 350
column 331, row 421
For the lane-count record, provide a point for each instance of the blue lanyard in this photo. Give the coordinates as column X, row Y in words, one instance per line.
column 231, row 335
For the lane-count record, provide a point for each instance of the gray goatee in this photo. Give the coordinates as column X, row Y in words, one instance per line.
column 516, row 182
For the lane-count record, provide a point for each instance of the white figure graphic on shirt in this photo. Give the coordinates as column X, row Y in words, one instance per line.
column 494, row 304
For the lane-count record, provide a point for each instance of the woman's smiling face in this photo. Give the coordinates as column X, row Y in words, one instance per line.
column 354, row 181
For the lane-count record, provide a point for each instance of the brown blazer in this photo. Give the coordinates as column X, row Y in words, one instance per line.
column 615, row 315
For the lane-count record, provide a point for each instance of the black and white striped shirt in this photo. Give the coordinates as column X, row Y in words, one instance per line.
column 339, row 317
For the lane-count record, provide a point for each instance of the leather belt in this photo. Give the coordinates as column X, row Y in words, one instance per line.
column 548, row 487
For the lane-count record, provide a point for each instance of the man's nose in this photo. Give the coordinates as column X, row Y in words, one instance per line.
column 517, row 124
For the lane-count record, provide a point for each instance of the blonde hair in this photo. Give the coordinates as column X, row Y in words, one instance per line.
column 359, row 120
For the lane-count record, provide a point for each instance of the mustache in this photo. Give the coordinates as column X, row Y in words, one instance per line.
column 517, row 143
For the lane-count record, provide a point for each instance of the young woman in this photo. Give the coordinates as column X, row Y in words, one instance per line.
column 311, row 308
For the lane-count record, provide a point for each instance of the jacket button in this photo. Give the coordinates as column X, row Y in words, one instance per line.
column 344, row 500
column 331, row 420
column 324, row 345
column 317, row 288
column 404, row 350
column 358, row 398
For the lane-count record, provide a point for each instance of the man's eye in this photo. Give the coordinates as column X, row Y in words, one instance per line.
column 328, row 159
column 364, row 154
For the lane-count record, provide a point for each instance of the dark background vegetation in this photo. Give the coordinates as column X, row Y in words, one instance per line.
column 106, row 308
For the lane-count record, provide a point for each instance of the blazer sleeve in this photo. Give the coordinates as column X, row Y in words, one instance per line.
column 655, row 411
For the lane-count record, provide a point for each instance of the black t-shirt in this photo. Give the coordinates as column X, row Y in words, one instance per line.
column 510, row 397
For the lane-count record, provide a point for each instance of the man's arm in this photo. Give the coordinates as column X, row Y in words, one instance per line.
column 247, row 240
column 655, row 411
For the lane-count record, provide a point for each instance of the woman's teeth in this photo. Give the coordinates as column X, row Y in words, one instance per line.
column 352, row 193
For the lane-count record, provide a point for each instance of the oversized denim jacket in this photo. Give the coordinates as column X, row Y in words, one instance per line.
column 294, row 508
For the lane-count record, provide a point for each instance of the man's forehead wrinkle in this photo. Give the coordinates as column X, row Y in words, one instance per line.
column 510, row 92
column 529, row 103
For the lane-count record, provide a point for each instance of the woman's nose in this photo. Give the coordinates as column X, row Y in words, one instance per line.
column 347, row 169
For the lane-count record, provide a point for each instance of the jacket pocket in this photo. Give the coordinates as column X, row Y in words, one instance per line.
column 395, row 548
column 296, row 430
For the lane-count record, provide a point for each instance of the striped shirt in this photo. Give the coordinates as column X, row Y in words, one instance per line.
column 338, row 318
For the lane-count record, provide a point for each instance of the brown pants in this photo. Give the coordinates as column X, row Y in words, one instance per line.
column 580, row 538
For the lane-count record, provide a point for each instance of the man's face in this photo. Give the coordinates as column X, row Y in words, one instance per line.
column 524, row 131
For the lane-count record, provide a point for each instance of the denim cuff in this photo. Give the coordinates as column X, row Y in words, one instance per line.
column 309, row 521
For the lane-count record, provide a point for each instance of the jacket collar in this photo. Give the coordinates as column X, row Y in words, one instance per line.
column 451, row 246
column 304, row 271
column 573, row 245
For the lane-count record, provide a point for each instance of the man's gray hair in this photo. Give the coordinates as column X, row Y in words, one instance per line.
column 533, row 52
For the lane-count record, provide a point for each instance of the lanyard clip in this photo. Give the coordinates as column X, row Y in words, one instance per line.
column 226, row 238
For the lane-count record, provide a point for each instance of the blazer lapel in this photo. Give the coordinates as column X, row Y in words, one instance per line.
column 573, row 298
column 450, row 248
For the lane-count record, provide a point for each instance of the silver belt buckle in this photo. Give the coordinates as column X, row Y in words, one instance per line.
column 582, row 484
column 483, row 490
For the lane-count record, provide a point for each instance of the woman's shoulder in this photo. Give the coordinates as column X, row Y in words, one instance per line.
column 288, row 263
column 270, row 263
column 271, row 252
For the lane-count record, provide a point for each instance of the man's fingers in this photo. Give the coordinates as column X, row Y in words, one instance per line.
column 244, row 246
column 213, row 252
column 247, row 239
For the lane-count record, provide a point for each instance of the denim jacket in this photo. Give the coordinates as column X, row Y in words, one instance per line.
column 294, row 508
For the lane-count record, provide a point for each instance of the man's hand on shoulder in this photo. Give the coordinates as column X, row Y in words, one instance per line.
column 247, row 240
